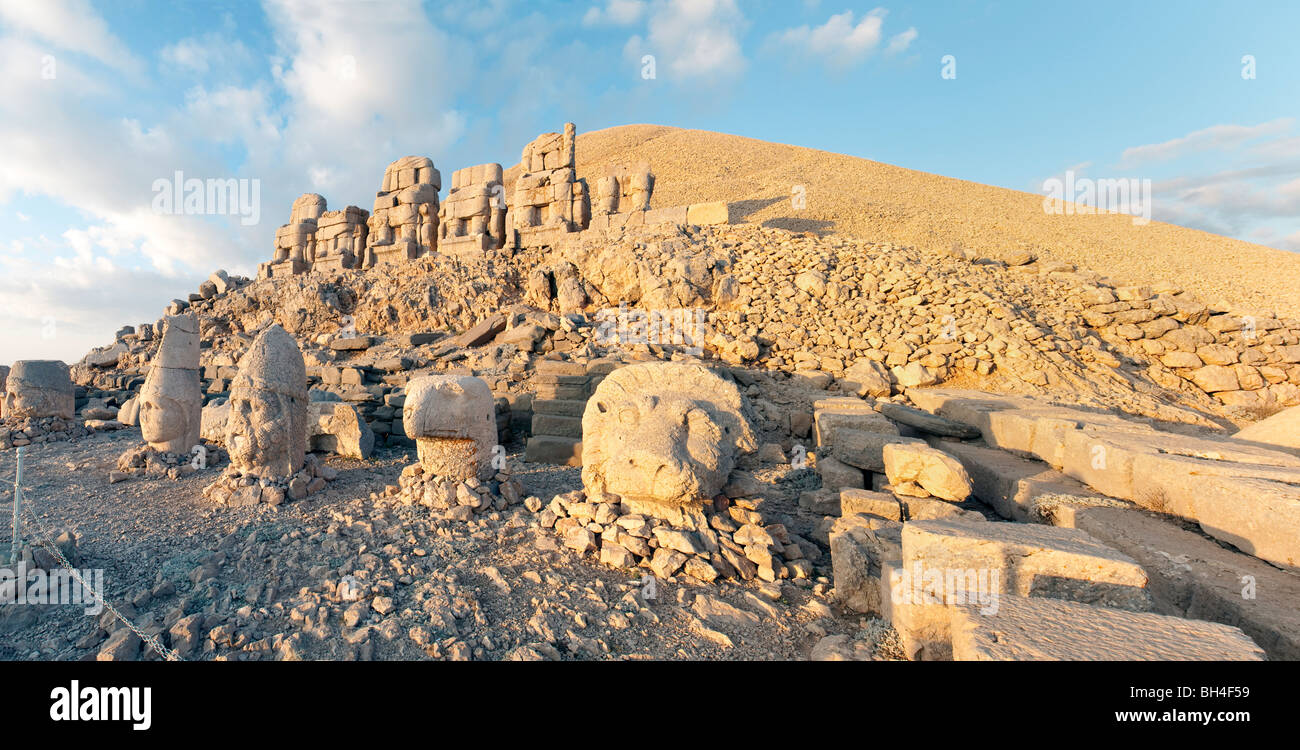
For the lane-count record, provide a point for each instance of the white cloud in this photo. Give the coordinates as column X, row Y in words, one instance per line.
column 1218, row 137
column 70, row 25
column 615, row 13
column 693, row 39
column 899, row 43
column 210, row 53
column 840, row 42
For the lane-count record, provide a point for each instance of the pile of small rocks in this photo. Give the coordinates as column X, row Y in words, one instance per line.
column 458, row 499
column 237, row 489
column 33, row 431
column 142, row 460
column 727, row 539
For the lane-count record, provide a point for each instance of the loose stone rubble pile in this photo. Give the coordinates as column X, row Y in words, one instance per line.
column 144, row 460
column 724, row 539
column 457, row 498
column 677, row 356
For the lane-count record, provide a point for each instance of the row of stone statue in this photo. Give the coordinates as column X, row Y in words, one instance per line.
column 407, row 221
column 453, row 419
column 667, row 433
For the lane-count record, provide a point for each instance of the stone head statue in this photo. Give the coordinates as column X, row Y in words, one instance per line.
column 266, row 432
column 663, row 433
column 452, row 419
column 171, row 401
column 39, row 388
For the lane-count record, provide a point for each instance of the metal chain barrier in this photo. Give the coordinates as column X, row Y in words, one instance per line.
column 42, row 537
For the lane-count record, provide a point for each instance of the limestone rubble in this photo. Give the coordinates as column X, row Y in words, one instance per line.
column 914, row 436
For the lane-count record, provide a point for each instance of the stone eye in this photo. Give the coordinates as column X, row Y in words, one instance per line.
column 627, row 416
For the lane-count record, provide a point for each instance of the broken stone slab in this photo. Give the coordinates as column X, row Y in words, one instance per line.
column 482, row 332
column 882, row 504
column 1194, row 577
column 1015, row 423
column 551, row 449
column 861, row 549
column 1280, row 431
column 1025, row 629
column 1243, row 494
column 837, row 475
column 555, row 424
column 338, row 428
column 926, row 422
column 865, row 450
column 930, row 509
column 705, row 214
column 1246, row 496
column 946, row 563
column 559, row 407
column 352, row 343
column 934, row 471
column 1010, row 484
column 1036, row 560
column 832, row 414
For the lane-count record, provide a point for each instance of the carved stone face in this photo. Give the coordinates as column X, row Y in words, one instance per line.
column 662, row 447
column 663, row 432
column 39, row 388
column 168, row 420
column 258, row 432
column 266, row 432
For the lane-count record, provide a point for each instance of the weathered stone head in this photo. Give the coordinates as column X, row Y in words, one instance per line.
column 266, row 433
column 171, row 401
column 39, row 388
column 664, row 434
column 452, row 419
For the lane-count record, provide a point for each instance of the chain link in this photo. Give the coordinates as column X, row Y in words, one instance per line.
column 42, row 538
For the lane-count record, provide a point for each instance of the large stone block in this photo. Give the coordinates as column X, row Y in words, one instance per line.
column 703, row 214
column 1244, row 494
column 550, row 449
column 1009, row 484
column 667, row 434
column 861, row 549
column 947, row 563
column 1026, row 629
column 911, row 466
column 338, row 428
column 39, row 388
column 452, row 419
column 1191, row 576
column 832, row 414
column 866, row 450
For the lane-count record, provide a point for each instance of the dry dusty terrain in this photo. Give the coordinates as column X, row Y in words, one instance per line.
column 880, row 202
column 498, row 587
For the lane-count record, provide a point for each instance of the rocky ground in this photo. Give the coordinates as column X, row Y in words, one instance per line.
column 852, row 197
column 272, row 583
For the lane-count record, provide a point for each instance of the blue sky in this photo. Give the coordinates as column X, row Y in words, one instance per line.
column 98, row 101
